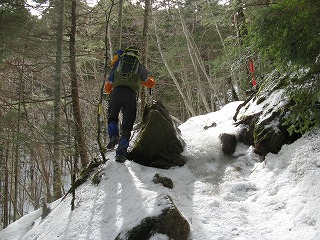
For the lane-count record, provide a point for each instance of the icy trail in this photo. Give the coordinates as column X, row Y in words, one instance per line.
column 223, row 198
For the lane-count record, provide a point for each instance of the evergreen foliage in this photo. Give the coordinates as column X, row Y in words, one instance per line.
column 288, row 33
column 14, row 19
column 305, row 111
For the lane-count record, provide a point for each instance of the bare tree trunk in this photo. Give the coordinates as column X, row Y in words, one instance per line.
column 57, row 185
column 17, row 160
column 147, row 11
column 209, row 80
column 194, row 63
column 188, row 89
column 79, row 134
column 45, row 173
column 17, row 155
column 6, row 189
column 2, row 183
column 108, row 41
column 217, row 28
column 184, row 98
column 120, row 23
column 107, row 38
column 198, row 60
column 229, row 79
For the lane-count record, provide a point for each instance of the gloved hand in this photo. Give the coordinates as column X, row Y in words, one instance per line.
column 108, row 87
column 150, row 83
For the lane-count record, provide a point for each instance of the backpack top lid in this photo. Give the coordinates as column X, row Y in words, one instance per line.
column 133, row 51
column 129, row 61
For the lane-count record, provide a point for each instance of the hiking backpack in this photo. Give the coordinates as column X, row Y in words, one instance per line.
column 127, row 71
column 129, row 63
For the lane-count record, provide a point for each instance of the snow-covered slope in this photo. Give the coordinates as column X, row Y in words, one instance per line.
column 222, row 197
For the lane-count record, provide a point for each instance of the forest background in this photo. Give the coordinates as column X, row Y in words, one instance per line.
column 52, row 67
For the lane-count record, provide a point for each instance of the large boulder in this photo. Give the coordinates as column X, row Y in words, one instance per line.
column 266, row 129
column 158, row 143
column 170, row 222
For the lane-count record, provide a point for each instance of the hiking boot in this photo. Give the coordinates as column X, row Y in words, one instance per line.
column 113, row 142
column 122, row 150
column 120, row 158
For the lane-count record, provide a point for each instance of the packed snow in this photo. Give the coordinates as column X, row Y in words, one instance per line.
column 222, row 197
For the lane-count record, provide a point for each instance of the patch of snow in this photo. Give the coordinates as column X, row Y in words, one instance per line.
column 222, row 197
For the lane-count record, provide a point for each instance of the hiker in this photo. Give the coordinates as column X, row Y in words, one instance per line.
column 124, row 82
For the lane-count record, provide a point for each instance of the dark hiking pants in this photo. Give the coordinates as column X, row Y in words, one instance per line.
column 123, row 98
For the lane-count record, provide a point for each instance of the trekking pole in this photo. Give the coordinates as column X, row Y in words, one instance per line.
column 99, row 137
column 150, row 93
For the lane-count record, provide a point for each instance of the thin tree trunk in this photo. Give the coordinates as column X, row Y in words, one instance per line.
column 194, row 63
column 209, row 80
column 108, row 41
column 184, row 98
column 6, row 190
column 17, row 156
column 194, row 51
column 147, row 11
column 73, row 179
column 2, row 183
column 220, row 36
column 120, row 23
column 45, row 173
column 217, row 28
column 17, row 160
column 107, row 37
column 57, row 185
column 188, row 89
column 79, row 132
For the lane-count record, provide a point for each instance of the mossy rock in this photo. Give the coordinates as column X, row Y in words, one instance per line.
column 268, row 139
column 158, row 143
column 170, row 222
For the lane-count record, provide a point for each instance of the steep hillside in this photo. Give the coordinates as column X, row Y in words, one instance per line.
column 222, row 197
